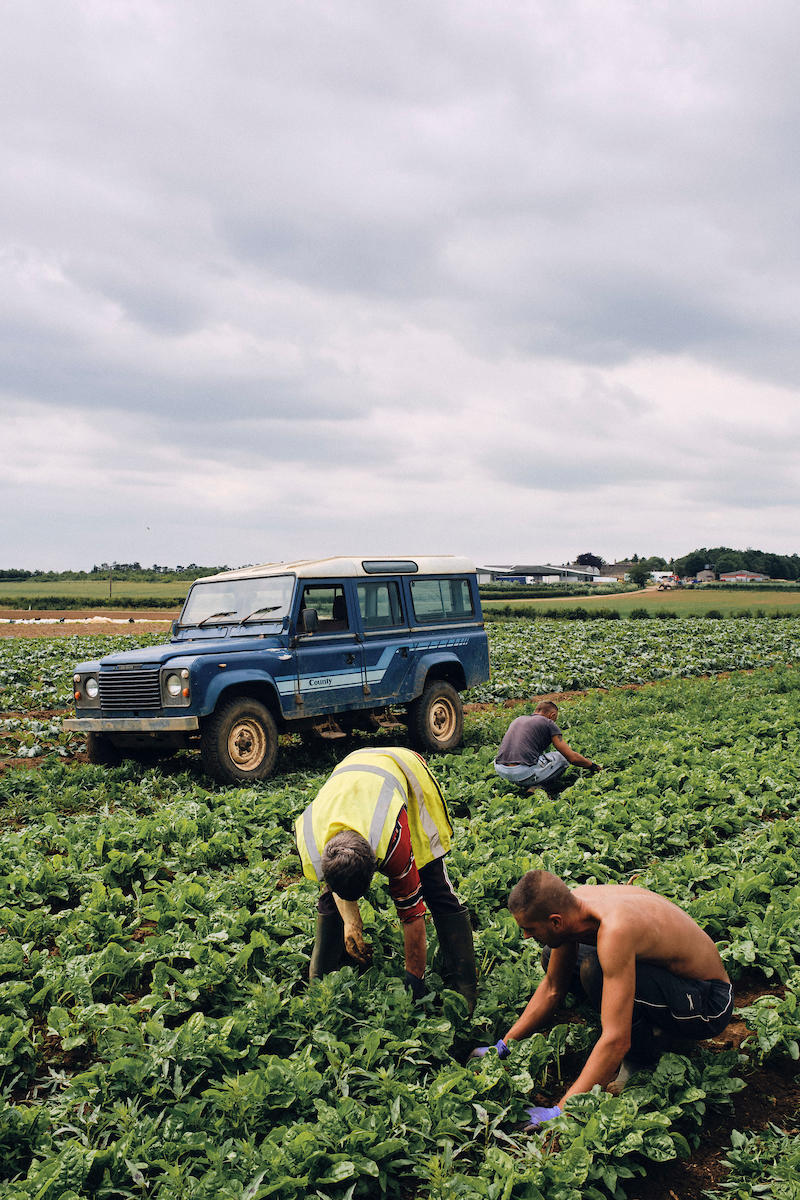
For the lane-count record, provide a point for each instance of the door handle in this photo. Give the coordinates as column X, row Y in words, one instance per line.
column 349, row 659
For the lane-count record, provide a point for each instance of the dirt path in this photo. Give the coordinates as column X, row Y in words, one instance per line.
column 24, row 623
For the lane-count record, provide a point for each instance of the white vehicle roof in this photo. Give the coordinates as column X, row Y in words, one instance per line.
column 340, row 567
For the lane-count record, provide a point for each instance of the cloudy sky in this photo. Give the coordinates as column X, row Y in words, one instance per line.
column 284, row 278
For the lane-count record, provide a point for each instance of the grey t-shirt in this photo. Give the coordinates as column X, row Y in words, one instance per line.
column 526, row 739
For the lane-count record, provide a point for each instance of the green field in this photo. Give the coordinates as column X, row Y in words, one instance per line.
column 686, row 602
column 157, row 1034
column 93, row 591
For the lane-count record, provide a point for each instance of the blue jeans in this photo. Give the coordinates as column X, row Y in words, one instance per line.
column 547, row 769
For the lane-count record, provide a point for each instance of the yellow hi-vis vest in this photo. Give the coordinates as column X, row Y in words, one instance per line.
column 367, row 792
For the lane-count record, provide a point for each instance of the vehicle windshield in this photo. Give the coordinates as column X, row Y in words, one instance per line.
column 229, row 601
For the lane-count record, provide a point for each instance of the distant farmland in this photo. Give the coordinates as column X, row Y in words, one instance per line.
column 685, row 602
column 19, row 594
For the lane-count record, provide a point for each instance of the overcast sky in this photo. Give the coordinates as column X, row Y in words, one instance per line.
column 286, row 278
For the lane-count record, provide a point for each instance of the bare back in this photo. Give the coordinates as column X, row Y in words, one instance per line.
column 654, row 928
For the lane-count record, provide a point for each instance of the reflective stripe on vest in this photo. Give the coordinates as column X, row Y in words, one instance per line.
column 371, row 808
column 426, row 820
column 390, row 786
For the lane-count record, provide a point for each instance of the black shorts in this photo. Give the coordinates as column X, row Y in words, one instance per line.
column 686, row 1008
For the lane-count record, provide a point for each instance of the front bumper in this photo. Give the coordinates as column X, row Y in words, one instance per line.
column 130, row 724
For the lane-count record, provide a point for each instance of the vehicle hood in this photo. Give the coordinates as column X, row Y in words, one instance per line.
column 154, row 656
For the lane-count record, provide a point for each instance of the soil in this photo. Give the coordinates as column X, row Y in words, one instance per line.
column 772, row 1095
column 22, row 623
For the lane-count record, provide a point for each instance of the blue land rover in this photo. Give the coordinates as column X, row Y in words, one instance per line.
column 317, row 646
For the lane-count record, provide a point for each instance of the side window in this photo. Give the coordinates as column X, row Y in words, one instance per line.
column 329, row 603
column 379, row 602
column 441, row 599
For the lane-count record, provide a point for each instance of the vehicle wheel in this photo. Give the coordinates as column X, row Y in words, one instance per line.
column 102, row 751
column 239, row 742
column 436, row 719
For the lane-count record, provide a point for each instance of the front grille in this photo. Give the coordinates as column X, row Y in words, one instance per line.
column 135, row 688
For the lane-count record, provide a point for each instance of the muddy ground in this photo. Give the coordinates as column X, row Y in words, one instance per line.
column 22, row 623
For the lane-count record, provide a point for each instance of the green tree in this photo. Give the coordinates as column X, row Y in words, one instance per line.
column 589, row 560
column 639, row 574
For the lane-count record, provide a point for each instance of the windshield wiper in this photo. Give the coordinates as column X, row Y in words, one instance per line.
column 231, row 612
column 257, row 611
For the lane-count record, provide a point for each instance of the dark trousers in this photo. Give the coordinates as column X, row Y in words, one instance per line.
column 665, row 1006
column 437, row 892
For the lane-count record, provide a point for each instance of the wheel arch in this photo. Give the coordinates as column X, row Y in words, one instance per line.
column 440, row 669
column 263, row 690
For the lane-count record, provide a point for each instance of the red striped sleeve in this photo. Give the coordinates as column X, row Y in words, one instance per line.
column 401, row 869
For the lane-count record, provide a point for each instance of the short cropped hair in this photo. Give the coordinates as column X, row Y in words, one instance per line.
column 547, row 706
column 348, row 864
column 539, row 894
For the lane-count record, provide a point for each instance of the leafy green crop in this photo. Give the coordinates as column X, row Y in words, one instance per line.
column 157, row 1034
column 762, row 1164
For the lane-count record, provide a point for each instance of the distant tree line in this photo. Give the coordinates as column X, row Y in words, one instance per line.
column 722, row 559
column 719, row 559
column 126, row 571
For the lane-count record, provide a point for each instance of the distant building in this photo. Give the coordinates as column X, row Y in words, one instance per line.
column 536, row 573
column 618, row 570
column 705, row 576
column 742, row 577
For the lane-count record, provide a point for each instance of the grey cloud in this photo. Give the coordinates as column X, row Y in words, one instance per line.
column 237, row 223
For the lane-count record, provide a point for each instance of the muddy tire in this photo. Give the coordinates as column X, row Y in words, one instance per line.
column 101, row 751
column 239, row 742
column 436, row 719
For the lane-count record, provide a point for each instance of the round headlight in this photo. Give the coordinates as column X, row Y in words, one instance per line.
column 91, row 687
column 174, row 685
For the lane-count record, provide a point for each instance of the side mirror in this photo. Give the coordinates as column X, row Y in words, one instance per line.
column 174, row 627
column 309, row 620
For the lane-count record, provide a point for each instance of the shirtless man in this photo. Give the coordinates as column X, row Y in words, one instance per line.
column 640, row 960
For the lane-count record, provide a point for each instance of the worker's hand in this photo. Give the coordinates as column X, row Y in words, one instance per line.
column 594, row 767
column 355, row 945
column 501, row 1048
column 537, row 1116
column 418, row 986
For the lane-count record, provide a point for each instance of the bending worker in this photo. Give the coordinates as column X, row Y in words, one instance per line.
column 523, row 758
column 643, row 962
column 382, row 809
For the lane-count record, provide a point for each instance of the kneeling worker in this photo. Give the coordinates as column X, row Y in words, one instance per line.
column 523, row 758
column 382, row 809
column 642, row 961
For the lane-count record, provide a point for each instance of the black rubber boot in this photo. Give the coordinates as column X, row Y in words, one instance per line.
column 458, row 954
column 328, row 952
column 557, row 784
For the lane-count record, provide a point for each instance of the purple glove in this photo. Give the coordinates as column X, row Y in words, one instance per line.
column 537, row 1116
column 501, row 1048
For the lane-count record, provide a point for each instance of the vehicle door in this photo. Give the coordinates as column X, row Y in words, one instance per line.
column 328, row 652
column 384, row 624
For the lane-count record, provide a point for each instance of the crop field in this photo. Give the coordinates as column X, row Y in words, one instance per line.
column 683, row 602
column 89, row 589
column 157, row 1034
column 534, row 657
